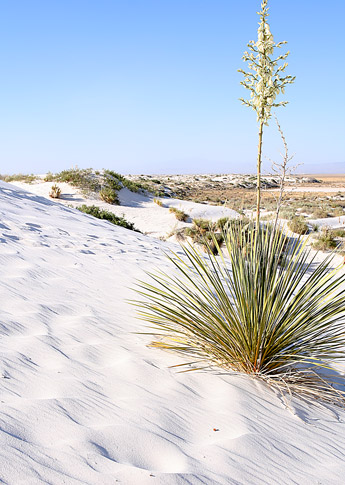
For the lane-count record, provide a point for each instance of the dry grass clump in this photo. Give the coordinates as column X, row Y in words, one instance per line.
column 158, row 202
column 298, row 226
column 180, row 215
column 326, row 240
column 251, row 315
column 55, row 192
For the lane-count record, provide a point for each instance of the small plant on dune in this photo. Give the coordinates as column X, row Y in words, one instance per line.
column 298, row 226
column 95, row 211
column 55, row 192
column 180, row 215
column 109, row 196
column 158, row 202
column 282, row 324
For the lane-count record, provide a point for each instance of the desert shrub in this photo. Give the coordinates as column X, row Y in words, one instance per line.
column 287, row 214
column 49, row 177
column 106, row 215
column 252, row 316
column 129, row 184
column 109, row 195
column 298, row 225
column 338, row 212
column 338, row 232
column 112, row 183
column 158, row 202
column 180, row 215
column 320, row 213
column 325, row 241
column 55, row 192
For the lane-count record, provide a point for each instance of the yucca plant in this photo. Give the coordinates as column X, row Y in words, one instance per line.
column 249, row 313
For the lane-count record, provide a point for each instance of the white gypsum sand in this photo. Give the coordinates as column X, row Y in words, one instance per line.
column 138, row 208
column 84, row 400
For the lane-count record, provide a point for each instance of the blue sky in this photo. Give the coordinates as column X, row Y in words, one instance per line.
column 151, row 86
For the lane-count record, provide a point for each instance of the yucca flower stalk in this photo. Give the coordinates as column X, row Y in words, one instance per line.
column 264, row 81
column 264, row 311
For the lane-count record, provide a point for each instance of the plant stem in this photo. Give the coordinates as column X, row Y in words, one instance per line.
column 261, row 129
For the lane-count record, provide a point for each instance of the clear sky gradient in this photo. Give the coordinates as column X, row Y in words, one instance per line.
column 151, row 86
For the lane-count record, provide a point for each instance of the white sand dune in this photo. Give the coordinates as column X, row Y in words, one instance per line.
column 140, row 209
column 83, row 400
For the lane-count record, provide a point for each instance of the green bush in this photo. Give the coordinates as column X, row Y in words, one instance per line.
column 298, row 225
column 132, row 186
column 107, row 215
column 250, row 315
column 109, row 195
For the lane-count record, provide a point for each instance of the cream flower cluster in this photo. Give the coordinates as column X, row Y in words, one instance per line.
column 264, row 79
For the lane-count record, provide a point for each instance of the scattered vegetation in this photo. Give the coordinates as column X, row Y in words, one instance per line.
column 55, row 192
column 83, row 178
column 298, row 225
column 279, row 324
column 158, row 202
column 180, row 215
column 107, row 215
column 19, row 177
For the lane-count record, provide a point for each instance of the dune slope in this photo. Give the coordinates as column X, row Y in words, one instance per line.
column 83, row 400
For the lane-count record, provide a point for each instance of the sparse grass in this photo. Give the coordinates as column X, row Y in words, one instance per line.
column 158, row 202
column 107, row 215
column 180, row 215
column 55, row 192
column 19, row 177
column 298, row 225
column 253, row 316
